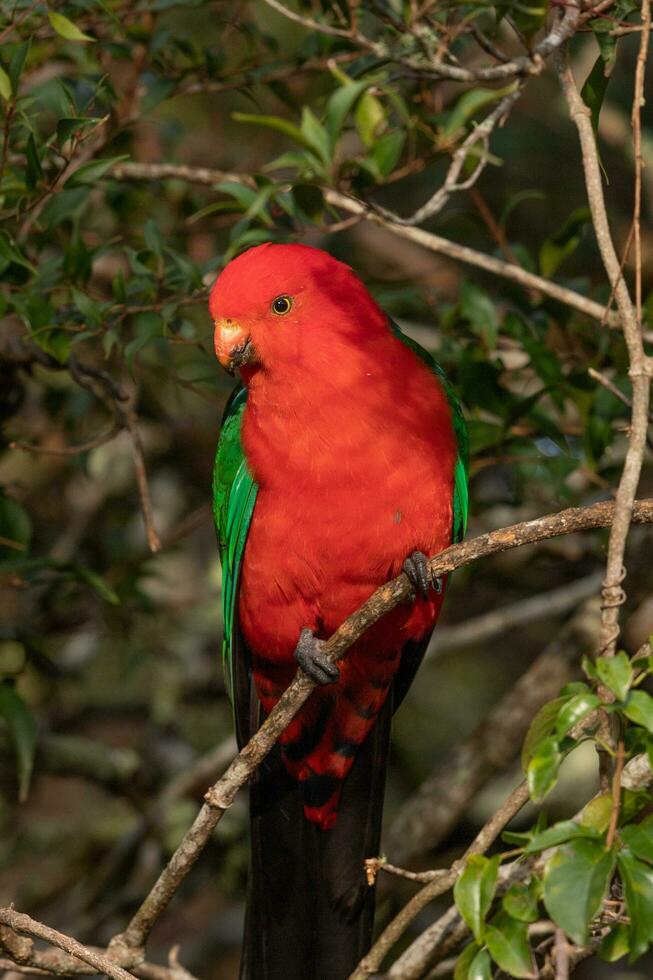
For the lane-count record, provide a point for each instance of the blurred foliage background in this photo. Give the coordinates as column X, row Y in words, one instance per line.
column 114, row 713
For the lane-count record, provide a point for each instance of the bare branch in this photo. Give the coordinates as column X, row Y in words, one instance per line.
column 428, row 240
column 528, row 64
column 23, row 923
column 639, row 369
column 131, row 423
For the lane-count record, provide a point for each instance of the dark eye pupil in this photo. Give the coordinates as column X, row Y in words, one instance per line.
column 281, row 305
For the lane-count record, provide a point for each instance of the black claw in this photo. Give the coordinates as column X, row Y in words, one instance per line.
column 311, row 659
column 418, row 570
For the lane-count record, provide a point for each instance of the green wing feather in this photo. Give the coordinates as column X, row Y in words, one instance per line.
column 234, row 496
column 460, row 492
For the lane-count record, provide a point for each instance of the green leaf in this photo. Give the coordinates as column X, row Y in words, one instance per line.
column 11, row 253
column 64, row 205
column 637, row 879
column 68, row 126
column 639, row 838
column 615, row 945
column 474, row 891
column 575, row 881
column 616, row 673
column 384, row 154
column 277, row 123
column 66, row 29
column 521, row 901
column 559, row 246
column 464, row 961
column 340, row 105
column 540, row 728
column 370, row 119
column 96, row 582
column 594, row 89
column 639, row 708
column 468, row 105
column 152, row 237
column 5, row 84
column 507, row 941
column 597, row 813
column 575, row 710
column 147, row 326
column 542, row 770
column 90, row 309
column 17, row 63
column 559, row 833
column 23, row 732
column 477, row 308
column 316, row 135
column 93, row 171
column 473, row 964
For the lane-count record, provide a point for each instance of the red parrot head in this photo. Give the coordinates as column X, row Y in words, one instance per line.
column 289, row 306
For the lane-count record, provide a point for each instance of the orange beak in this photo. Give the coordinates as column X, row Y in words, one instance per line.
column 233, row 346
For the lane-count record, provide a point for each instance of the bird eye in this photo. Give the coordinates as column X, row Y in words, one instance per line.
column 282, row 305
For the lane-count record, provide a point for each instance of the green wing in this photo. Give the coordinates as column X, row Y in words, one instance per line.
column 234, row 496
column 460, row 492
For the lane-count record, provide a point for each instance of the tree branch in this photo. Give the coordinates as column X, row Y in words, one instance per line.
column 220, row 797
column 639, row 366
column 24, row 924
column 428, row 240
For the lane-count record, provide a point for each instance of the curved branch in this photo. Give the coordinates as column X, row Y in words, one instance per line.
column 24, row 924
column 221, row 796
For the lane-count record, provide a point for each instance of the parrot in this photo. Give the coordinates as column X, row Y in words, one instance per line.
column 342, row 462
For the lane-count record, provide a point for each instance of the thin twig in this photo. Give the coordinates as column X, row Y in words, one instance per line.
column 131, row 423
column 480, row 133
column 487, row 626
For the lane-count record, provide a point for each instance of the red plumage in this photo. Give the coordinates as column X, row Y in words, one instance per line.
column 349, row 437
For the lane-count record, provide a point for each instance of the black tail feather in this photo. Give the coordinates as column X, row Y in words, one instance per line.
column 310, row 911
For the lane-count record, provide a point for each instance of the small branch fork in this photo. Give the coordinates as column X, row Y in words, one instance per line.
column 452, row 184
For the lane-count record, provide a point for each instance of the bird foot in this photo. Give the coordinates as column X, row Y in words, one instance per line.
column 417, row 568
column 311, row 659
